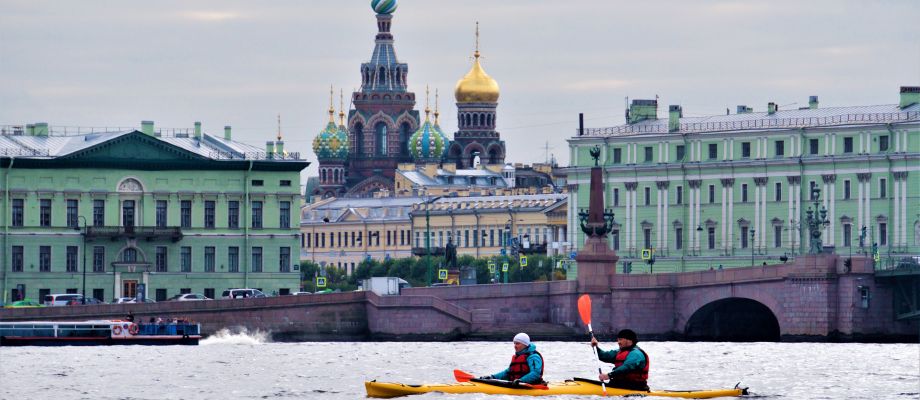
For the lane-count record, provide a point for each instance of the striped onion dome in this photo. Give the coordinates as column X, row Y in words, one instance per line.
column 332, row 142
column 428, row 143
column 383, row 6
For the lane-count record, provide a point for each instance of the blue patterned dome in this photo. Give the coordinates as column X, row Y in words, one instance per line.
column 428, row 143
column 383, row 6
column 332, row 142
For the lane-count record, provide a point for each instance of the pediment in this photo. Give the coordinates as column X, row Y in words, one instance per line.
column 133, row 146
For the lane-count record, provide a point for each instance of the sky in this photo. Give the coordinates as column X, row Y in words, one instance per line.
column 95, row 63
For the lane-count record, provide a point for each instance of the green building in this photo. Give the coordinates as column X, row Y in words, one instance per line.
column 734, row 190
column 166, row 213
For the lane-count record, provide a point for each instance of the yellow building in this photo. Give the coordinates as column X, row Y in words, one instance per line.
column 485, row 180
column 481, row 226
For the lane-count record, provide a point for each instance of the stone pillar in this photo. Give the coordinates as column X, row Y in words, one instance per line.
column 596, row 261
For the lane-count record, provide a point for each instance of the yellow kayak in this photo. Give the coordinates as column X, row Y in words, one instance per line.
column 569, row 387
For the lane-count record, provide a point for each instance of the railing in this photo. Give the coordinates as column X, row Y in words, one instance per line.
column 62, row 130
column 172, row 232
column 253, row 155
column 753, row 124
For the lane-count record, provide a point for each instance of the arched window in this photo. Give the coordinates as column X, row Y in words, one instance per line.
column 405, row 131
column 468, row 123
column 335, row 176
column 475, row 119
column 382, row 77
column 129, row 255
column 489, row 119
column 359, row 139
column 493, row 156
column 322, row 176
column 482, row 119
column 398, row 76
column 381, row 136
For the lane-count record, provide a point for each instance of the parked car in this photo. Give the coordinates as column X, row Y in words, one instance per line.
column 131, row 300
column 242, row 293
column 56, row 300
column 188, row 297
column 301, row 293
column 24, row 303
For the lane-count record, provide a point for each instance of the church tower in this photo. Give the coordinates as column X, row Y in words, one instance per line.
column 331, row 148
column 477, row 99
column 383, row 118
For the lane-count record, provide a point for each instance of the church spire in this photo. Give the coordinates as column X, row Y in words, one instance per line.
column 436, row 113
column 331, row 109
column 341, row 107
column 279, row 127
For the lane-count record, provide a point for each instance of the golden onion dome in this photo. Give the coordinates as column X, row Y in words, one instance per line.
column 477, row 86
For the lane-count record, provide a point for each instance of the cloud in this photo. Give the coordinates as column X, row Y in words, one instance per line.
column 209, row 16
column 843, row 51
column 597, row 85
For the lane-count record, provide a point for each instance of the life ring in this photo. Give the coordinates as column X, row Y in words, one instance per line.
column 133, row 329
column 116, row 330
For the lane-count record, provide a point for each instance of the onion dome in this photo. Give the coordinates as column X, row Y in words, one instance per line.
column 332, row 142
column 477, row 86
column 383, row 6
column 428, row 143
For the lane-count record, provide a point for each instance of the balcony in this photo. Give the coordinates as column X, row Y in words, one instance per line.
column 150, row 233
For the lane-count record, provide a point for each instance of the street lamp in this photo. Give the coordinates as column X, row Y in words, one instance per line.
column 80, row 217
column 752, row 247
column 428, row 238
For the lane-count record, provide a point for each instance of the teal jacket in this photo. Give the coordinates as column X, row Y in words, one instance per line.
column 534, row 362
column 635, row 359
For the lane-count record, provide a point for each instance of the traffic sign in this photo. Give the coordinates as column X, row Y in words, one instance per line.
column 504, row 267
column 523, row 262
column 492, row 266
column 504, row 252
column 573, row 254
column 320, row 281
column 646, row 254
column 442, row 274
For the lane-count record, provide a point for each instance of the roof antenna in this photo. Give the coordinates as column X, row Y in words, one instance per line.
column 279, row 127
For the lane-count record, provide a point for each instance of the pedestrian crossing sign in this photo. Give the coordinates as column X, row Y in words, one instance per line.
column 505, row 267
column 491, row 266
column 523, row 261
column 320, row 281
column 646, row 254
column 876, row 257
column 442, row 274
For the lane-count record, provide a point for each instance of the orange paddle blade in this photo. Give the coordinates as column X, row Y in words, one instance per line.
column 461, row 376
column 584, row 308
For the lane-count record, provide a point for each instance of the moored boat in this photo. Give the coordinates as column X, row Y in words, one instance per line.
column 97, row 333
column 577, row 386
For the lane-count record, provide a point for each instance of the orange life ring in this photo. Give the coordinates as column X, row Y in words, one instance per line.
column 133, row 329
column 116, row 330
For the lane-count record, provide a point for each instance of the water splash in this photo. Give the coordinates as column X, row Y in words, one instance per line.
column 237, row 336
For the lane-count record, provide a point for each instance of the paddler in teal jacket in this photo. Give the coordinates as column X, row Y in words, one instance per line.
column 629, row 361
column 526, row 363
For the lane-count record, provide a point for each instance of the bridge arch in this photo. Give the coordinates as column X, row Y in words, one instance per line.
column 733, row 319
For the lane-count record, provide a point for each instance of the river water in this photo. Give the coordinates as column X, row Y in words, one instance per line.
column 248, row 366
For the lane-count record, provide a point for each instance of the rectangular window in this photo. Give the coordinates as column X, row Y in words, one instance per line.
column 233, row 259
column 209, row 259
column 99, row 294
column 648, row 154
column 680, row 195
column 209, row 293
column 680, row 152
column 322, row 237
column 617, row 156
column 678, row 238
column 256, row 259
column 882, row 234
column 846, row 189
column 72, row 207
column 491, row 237
column 713, row 151
column 811, row 190
column 744, row 237
column 284, row 183
column 18, row 259
column 616, row 197
column 883, row 143
column 18, row 212
column 847, row 145
column 233, row 214
column 744, row 193
column 161, row 295
column 98, row 212
column 440, row 238
column 712, row 194
column 161, row 259
column 44, row 259
column 777, row 236
column 186, row 213
column 475, row 238
column 882, row 188
column 813, row 146
column 647, row 238
column 745, row 149
column 616, row 239
column 71, row 260
column 285, row 215
column 712, row 237
column 648, row 196
column 847, row 235
column 98, row 258
column 44, row 212
column 185, row 259
column 161, row 213
column 258, row 182
column 257, row 215
column 209, row 214
column 778, row 192
column 466, row 238
column 128, row 213
column 284, row 259
column 780, row 147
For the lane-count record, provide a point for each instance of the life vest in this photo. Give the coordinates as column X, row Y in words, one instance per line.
column 636, row 375
column 519, row 367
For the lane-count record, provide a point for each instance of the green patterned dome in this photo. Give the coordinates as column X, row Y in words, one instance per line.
column 383, row 6
column 332, row 142
column 428, row 143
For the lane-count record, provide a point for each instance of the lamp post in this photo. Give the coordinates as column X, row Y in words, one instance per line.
column 862, row 240
column 752, row 247
column 816, row 220
column 427, row 238
column 80, row 217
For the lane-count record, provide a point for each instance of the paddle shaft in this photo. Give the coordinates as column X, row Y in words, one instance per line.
column 596, row 356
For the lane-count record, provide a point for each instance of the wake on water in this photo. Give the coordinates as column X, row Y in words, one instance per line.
column 241, row 336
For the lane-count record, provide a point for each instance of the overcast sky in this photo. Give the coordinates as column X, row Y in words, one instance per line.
column 240, row 63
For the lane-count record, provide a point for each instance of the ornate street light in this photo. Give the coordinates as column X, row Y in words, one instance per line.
column 816, row 220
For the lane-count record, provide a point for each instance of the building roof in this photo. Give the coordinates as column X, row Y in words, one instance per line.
column 781, row 119
column 498, row 203
column 461, row 177
column 363, row 209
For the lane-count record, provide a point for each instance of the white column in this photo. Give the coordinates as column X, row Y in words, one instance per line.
column 895, row 236
column 661, row 152
column 658, row 215
column 859, row 205
column 731, row 148
column 665, row 225
column 763, row 215
column 833, row 213
column 790, row 216
column 692, row 227
column 824, row 203
column 904, row 208
column 628, row 224
column 724, row 228
column 699, row 215
column 798, row 212
column 731, row 218
column 868, row 199
column 667, row 152
column 635, row 225
column 756, row 225
column 724, row 149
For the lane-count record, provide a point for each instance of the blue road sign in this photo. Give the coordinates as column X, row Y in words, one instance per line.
column 573, row 254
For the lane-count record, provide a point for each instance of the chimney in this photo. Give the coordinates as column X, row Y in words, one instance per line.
column 813, row 102
column 641, row 110
column 771, row 108
column 30, row 129
column 197, row 129
column 269, row 149
column 279, row 147
column 147, row 127
column 909, row 95
column 227, row 132
column 41, row 129
column 581, row 124
column 675, row 112
column 743, row 109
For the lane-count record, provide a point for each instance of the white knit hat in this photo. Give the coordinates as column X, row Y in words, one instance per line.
column 522, row 338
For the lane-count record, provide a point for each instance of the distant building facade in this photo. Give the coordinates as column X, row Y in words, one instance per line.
column 734, row 190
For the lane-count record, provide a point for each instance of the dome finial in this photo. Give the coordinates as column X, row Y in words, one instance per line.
column 331, row 109
column 476, row 53
column 427, row 108
column 279, row 127
column 476, row 86
column 436, row 113
column 341, row 107
column 383, row 6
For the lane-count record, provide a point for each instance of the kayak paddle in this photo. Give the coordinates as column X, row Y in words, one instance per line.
column 584, row 309
column 462, row 376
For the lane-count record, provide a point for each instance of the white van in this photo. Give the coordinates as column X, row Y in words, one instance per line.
column 55, row 300
column 241, row 293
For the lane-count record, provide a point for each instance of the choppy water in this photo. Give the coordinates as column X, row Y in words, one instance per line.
column 249, row 367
